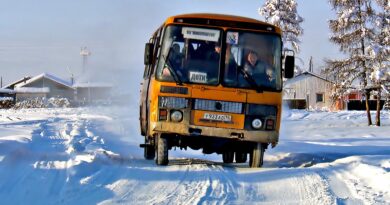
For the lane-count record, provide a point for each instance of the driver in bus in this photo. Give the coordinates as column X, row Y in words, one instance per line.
column 175, row 56
column 175, row 59
column 257, row 68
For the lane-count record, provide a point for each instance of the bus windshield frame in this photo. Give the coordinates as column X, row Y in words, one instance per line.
column 194, row 56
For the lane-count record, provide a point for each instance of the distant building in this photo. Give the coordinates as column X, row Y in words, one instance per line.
column 309, row 90
column 355, row 99
column 44, row 85
column 92, row 92
column 47, row 86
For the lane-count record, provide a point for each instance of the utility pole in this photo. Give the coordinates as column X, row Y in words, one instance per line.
column 311, row 64
column 85, row 53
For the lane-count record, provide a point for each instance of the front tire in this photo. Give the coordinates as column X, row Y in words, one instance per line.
column 162, row 150
column 257, row 156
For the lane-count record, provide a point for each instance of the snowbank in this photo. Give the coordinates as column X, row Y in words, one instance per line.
column 91, row 155
column 43, row 103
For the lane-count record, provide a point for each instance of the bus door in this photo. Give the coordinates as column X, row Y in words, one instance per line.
column 145, row 84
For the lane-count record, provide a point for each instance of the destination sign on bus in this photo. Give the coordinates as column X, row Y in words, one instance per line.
column 201, row 34
column 198, row 77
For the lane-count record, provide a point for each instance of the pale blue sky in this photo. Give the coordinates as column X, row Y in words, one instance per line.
column 46, row 35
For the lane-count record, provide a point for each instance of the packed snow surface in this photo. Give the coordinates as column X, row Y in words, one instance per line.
column 91, row 156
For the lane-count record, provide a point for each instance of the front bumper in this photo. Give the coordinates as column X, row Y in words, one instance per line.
column 271, row 137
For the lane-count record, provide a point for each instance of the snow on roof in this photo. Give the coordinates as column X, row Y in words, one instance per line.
column 304, row 75
column 32, row 90
column 18, row 81
column 48, row 76
column 92, row 85
column 9, row 91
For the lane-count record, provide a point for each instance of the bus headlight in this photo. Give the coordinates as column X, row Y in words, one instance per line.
column 176, row 116
column 256, row 123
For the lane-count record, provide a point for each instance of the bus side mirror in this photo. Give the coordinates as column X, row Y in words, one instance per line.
column 148, row 56
column 289, row 65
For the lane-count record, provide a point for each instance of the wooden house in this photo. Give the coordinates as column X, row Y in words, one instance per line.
column 309, row 91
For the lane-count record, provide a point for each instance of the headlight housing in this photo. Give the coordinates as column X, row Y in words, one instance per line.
column 176, row 116
column 256, row 123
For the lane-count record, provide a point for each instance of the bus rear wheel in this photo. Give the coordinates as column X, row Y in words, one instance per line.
column 227, row 157
column 241, row 157
column 162, row 150
column 257, row 155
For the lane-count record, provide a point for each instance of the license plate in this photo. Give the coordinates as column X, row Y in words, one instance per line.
column 217, row 117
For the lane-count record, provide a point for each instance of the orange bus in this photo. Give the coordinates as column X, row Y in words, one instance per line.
column 213, row 82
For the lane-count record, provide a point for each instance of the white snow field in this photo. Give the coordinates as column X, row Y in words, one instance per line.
column 91, row 156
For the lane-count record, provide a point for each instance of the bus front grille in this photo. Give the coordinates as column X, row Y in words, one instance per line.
column 218, row 106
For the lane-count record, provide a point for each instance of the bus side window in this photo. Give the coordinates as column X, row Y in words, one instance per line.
column 157, row 46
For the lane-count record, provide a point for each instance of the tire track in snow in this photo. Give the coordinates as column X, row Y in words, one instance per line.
column 314, row 189
column 189, row 188
column 197, row 184
column 359, row 187
column 223, row 187
column 280, row 186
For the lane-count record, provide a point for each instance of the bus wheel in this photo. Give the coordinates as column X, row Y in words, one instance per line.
column 241, row 157
column 227, row 157
column 149, row 150
column 257, row 155
column 162, row 150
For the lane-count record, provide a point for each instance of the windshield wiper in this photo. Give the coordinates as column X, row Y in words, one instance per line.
column 173, row 72
column 249, row 78
column 167, row 61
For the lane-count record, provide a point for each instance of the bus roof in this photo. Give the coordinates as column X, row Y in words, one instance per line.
column 223, row 21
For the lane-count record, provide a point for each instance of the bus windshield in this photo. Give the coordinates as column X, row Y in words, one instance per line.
column 190, row 54
column 193, row 55
column 253, row 60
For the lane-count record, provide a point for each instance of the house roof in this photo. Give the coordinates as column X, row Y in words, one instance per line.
column 16, row 82
column 305, row 75
column 47, row 76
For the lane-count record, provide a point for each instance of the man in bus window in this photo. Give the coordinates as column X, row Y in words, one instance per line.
column 257, row 68
column 253, row 65
column 175, row 56
column 215, row 54
column 175, row 60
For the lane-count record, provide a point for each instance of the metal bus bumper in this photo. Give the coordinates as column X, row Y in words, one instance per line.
column 271, row 137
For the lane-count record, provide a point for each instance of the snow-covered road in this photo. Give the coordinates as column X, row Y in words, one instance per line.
column 91, row 155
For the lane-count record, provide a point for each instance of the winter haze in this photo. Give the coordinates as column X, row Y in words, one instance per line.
column 91, row 154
